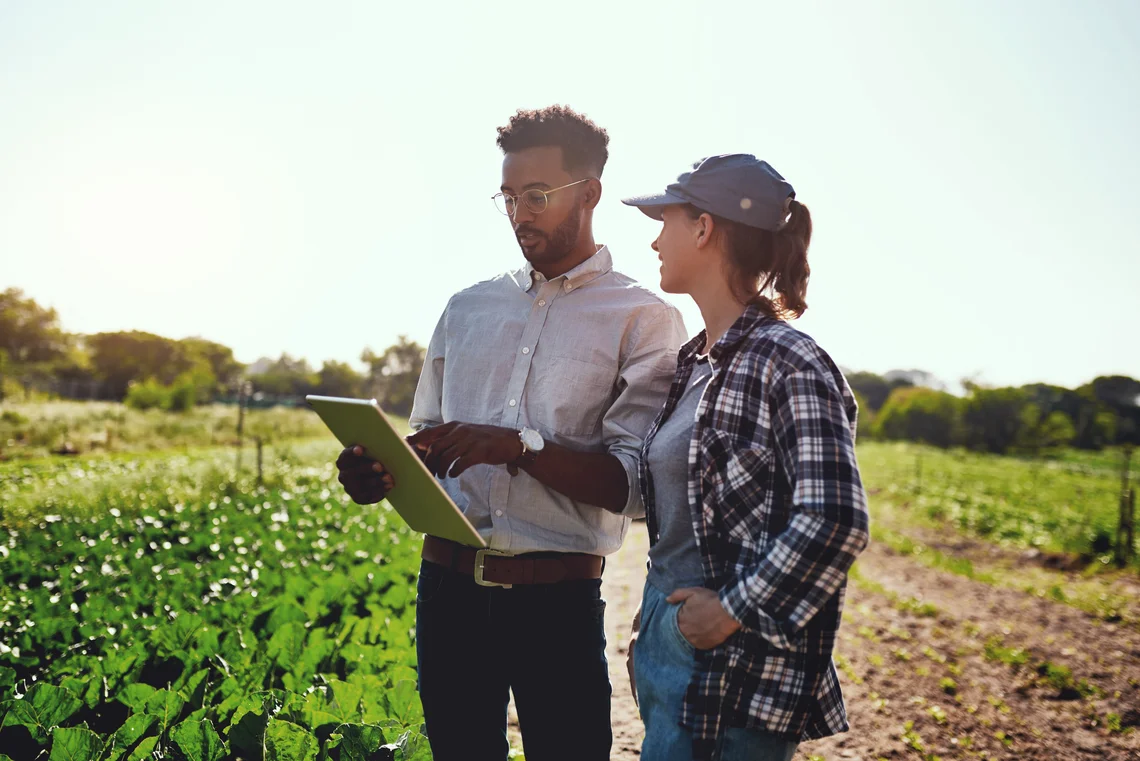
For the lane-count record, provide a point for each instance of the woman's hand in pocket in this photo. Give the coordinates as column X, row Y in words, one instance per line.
column 634, row 630
column 703, row 621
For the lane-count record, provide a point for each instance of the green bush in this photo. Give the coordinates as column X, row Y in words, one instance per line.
column 148, row 395
column 920, row 414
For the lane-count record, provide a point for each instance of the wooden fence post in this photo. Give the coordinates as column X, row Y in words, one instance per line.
column 1125, row 530
column 258, row 440
column 242, row 389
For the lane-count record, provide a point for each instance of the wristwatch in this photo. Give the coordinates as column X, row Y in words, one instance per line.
column 532, row 444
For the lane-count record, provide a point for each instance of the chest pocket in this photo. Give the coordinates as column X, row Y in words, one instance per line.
column 741, row 480
column 569, row 396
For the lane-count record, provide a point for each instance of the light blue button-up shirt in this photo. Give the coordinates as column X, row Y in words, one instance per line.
column 585, row 359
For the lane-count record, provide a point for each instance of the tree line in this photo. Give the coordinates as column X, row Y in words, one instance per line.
column 145, row 370
column 1032, row 419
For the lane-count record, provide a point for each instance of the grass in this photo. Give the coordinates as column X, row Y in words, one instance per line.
column 34, row 430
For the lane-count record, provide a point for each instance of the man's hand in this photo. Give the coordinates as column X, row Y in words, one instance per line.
column 702, row 619
column 364, row 479
column 634, row 630
column 454, row 447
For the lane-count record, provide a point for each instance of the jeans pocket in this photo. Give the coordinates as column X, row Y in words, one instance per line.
column 674, row 625
column 429, row 582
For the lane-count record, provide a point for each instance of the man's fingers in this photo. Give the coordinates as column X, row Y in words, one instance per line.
column 429, row 435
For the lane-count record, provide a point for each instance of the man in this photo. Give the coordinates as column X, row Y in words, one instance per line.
column 537, row 389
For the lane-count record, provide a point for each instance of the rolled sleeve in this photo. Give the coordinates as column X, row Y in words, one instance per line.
column 643, row 385
column 427, row 405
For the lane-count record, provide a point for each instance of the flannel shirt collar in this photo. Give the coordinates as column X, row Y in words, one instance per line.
column 745, row 324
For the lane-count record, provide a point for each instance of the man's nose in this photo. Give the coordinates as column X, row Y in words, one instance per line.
column 522, row 215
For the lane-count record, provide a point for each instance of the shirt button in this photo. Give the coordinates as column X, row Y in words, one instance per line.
column 499, row 513
column 568, row 286
column 526, row 350
column 513, row 402
column 542, row 302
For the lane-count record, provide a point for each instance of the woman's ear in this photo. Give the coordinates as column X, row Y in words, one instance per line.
column 703, row 228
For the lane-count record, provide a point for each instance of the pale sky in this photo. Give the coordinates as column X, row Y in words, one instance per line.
column 317, row 178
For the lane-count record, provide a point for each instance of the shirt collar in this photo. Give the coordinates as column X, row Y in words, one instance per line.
column 745, row 324
column 591, row 269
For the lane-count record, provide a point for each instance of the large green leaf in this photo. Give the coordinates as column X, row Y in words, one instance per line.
column 45, row 706
column 285, row 741
column 198, row 741
column 75, row 744
column 7, row 677
column 167, row 706
column 412, row 746
column 135, row 695
column 195, row 689
column 356, row 742
column 404, row 702
column 286, row 645
column 247, row 727
column 285, row 613
column 143, row 752
column 177, row 638
column 133, row 729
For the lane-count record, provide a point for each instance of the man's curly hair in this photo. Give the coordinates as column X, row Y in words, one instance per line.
column 583, row 143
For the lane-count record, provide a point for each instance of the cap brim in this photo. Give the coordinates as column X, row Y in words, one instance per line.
column 654, row 205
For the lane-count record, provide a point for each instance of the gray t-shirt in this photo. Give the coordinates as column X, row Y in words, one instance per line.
column 675, row 560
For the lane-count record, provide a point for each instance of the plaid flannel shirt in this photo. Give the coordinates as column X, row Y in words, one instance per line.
column 780, row 515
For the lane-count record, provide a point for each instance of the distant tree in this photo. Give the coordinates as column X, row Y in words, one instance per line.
column 122, row 357
column 1120, row 396
column 902, row 378
column 220, row 359
column 286, row 377
column 866, row 420
column 875, row 388
column 920, row 414
column 29, row 333
column 339, row 379
column 998, row 420
column 393, row 375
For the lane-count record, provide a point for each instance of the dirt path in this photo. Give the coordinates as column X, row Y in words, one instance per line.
column 934, row 664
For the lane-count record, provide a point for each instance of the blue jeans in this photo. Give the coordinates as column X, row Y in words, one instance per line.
column 662, row 665
column 544, row 642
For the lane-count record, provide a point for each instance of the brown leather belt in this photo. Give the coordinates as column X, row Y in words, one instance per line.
column 495, row 569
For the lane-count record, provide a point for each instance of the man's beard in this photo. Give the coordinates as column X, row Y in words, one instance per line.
column 560, row 242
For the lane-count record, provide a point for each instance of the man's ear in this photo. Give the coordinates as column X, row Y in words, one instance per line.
column 592, row 194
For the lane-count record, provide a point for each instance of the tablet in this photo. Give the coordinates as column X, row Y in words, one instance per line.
column 417, row 496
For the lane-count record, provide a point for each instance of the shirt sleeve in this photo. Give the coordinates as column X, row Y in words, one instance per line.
column 643, row 385
column 427, row 406
column 808, row 562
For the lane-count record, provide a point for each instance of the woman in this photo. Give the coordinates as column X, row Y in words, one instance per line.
column 755, row 506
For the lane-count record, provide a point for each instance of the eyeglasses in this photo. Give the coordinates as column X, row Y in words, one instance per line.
column 534, row 200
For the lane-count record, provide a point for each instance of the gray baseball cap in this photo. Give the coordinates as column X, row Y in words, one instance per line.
column 736, row 186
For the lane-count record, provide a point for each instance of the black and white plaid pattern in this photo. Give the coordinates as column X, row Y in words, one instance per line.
column 782, row 516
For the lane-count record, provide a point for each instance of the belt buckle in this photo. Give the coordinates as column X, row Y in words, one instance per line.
column 479, row 562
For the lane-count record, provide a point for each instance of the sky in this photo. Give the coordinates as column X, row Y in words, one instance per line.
column 288, row 177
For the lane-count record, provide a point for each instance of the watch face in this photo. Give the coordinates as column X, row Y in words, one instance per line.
column 532, row 439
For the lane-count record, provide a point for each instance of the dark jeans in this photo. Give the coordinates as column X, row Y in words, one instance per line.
column 546, row 643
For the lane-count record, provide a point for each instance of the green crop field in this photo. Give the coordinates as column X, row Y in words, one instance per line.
column 1069, row 504
column 156, row 607
column 164, row 605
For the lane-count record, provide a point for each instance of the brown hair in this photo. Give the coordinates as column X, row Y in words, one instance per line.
column 768, row 269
